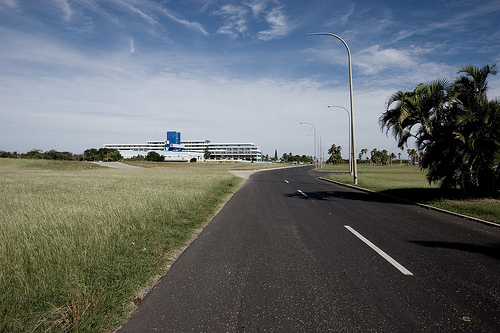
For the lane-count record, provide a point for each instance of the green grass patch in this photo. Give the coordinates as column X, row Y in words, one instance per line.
column 77, row 241
column 409, row 182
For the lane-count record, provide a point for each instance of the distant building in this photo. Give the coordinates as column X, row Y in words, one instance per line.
column 173, row 149
column 225, row 151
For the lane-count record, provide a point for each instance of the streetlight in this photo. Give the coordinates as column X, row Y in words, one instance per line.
column 349, row 127
column 314, row 140
column 353, row 144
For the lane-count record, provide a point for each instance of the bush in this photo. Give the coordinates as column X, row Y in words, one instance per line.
column 154, row 157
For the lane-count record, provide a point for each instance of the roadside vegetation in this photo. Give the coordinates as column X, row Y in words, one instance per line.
column 101, row 154
column 456, row 130
column 78, row 241
column 410, row 183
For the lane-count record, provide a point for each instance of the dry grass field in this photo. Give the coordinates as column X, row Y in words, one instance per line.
column 77, row 241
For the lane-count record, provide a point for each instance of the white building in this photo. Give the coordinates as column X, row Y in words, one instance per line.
column 225, row 151
column 151, row 145
column 184, row 151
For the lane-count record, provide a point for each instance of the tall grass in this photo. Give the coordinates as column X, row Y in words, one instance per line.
column 78, row 240
column 409, row 182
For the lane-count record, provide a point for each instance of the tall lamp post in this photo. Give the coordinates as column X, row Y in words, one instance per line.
column 353, row 144
column 314, row 141
column 351, row 153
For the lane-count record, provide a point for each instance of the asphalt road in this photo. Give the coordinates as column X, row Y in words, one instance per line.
column 292, row 253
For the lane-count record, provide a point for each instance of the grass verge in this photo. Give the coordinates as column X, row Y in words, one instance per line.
column 77, row 241
column 409, row 183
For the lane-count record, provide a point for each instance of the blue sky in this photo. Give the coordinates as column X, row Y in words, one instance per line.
column 76, row 74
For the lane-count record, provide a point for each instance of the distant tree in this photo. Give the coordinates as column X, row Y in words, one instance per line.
column 57, row 155
column 154, row 157
column 290, row 158
column 391, row 157
column 138, row 158
column 412, row 154
column 6, row 154
column 114, row 156
column 102, row 154
column 207, row 155
column 379, row 157
column 34, row 154
column 91, row 155
column 276, row 154
column 335, row 156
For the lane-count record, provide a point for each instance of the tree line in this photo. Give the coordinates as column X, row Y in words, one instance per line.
column 455, row 127
column 290, row 158
column 101, row 154
column 377, row 157
column 92, row 154
column 47, row 155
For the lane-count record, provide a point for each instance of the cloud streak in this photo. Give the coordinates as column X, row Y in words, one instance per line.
column 238, row 18
column 192, row 25
column 235, row 22
column 279, row 26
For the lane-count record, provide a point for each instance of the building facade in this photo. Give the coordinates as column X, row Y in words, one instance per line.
column 173, row 149
column 225, row 151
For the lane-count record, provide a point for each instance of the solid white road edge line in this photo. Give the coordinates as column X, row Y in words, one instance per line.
column 303, row 193
column 379, row 251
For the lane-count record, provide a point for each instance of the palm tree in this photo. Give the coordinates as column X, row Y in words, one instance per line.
column 372, row 153
column 392, row 156
column 334, row 152
column 458, row 134
column 411, row 155
column 478, row 129
column 404, row 110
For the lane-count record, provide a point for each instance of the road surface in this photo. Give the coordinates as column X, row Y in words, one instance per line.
column 292, row 253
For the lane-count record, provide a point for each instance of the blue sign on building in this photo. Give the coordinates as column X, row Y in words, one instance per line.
column 174, row 141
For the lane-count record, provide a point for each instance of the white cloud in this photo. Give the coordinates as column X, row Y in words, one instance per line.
column 257, row 6
column 235, row 22
column 9, row 4
column 375, row 59
column 401, row 68
column 279, row 26
column 192, row 25
column 346, row 16
column 65, row 7
column 132, row 46
column 142, row 14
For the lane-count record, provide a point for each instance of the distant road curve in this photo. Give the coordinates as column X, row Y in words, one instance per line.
column 117, row 165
